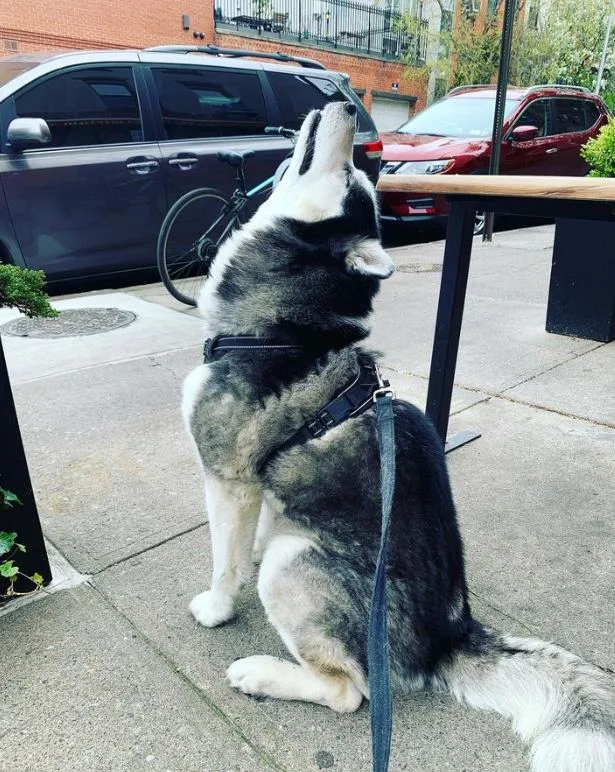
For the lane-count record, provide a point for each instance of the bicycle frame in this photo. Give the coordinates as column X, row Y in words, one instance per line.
column 194, row 261
column 239, row 199
column 268, row 183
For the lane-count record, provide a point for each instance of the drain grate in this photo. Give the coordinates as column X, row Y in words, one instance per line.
column 74, row 321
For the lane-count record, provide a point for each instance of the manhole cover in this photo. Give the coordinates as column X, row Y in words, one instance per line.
column 74, row 321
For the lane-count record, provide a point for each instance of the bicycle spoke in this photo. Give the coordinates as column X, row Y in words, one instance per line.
column 174, row 258
column 188, row 246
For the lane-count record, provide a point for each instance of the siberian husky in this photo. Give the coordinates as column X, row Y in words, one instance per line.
column 304, row 271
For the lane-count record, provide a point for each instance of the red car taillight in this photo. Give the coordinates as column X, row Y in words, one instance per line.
column 373, row 149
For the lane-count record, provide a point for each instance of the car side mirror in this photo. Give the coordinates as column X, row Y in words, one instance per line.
column 523, row 134
column 28, row 132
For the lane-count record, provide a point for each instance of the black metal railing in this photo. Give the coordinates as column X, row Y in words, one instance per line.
column 339, row 24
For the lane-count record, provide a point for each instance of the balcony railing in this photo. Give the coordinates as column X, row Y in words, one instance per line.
column 344, row 25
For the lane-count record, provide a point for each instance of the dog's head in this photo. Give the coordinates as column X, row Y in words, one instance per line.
column 310, row 257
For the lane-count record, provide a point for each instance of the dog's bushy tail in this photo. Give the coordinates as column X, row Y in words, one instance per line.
column 564, row 707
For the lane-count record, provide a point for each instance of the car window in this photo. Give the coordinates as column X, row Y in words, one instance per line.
column 458, row 116
column 85, row 106
column 198, row 102
column 298, row 94
column 538, row 114
column 569, row 116
column 591, row 114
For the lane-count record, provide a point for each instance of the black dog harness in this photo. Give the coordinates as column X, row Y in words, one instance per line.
column 356, row 398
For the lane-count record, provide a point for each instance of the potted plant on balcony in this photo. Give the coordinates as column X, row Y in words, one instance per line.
column 582, row 289
column 24, row 566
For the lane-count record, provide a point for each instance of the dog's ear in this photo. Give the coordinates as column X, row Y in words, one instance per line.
column 368, row 258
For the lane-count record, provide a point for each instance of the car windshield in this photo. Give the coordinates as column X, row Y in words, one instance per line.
column 10, row 70
column 457, row 117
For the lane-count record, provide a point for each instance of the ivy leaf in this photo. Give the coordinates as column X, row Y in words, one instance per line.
column 7, row 541
column 37, row 579
column 8, row 569
column 8, row 498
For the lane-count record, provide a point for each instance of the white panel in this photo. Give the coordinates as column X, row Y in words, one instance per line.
column 389, row 114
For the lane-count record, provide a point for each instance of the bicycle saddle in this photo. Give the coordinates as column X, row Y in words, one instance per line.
column 233, row 158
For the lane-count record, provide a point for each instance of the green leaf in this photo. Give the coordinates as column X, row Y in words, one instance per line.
column 37, row 579
column 8, row 569
column 8, row 498
column 7, row 541
column 24, row 289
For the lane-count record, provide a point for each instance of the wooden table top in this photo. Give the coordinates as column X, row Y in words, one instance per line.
column 579, row 188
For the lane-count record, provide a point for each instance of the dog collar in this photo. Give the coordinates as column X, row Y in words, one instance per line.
column 215, row 348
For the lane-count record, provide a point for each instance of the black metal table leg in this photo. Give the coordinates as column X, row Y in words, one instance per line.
column 450, row 313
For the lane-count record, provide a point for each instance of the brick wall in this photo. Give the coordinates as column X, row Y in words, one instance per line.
column 41, row 25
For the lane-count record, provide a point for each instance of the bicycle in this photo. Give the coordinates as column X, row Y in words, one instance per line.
column 184, row 260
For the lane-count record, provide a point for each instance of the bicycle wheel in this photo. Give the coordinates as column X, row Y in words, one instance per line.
column 189, row 238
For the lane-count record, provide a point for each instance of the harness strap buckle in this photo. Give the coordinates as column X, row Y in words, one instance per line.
column 208, row 349
column 319, row 424
column 384, row 391
column 384, row 387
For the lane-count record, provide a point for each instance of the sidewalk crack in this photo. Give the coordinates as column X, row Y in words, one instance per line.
column 263, row 755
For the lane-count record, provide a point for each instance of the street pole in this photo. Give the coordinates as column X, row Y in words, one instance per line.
column 500, row 101
column 607, row 37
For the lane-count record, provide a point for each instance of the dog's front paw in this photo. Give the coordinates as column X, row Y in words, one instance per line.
column 211, row 608
column 255, row 675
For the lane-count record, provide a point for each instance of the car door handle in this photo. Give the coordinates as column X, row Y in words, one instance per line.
column 552, row 150
column 142, row 165
column 184, row 162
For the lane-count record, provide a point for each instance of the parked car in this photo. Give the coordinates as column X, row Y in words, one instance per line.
column 544, row 129
column 95, row 146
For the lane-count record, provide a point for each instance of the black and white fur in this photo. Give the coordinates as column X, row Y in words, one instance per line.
column 306, row 269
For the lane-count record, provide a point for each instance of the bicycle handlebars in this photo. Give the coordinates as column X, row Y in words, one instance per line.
column 281, row 131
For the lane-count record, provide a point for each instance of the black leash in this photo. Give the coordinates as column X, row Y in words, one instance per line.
column 367, row 388
column 380, row 707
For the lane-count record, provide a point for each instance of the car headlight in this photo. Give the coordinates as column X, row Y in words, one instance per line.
column 425, row 167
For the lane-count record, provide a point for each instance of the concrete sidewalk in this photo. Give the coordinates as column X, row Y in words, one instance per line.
column 113, row 673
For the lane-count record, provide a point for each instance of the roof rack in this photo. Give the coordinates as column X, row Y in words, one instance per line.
column 561, row 86
column 459, row 89
column 236, row 52
column 529, row 89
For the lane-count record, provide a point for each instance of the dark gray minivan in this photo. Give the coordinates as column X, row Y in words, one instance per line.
column 95, row 146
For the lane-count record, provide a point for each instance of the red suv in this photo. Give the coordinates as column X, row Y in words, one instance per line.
column 544, row 128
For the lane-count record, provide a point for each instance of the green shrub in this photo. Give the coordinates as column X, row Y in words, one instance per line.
column 609, row 98
column 599, row 152
column 24, row 289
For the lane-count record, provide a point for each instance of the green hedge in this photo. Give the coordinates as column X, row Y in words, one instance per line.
column 599, row 152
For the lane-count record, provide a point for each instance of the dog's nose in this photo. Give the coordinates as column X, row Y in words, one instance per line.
column 351, row 108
